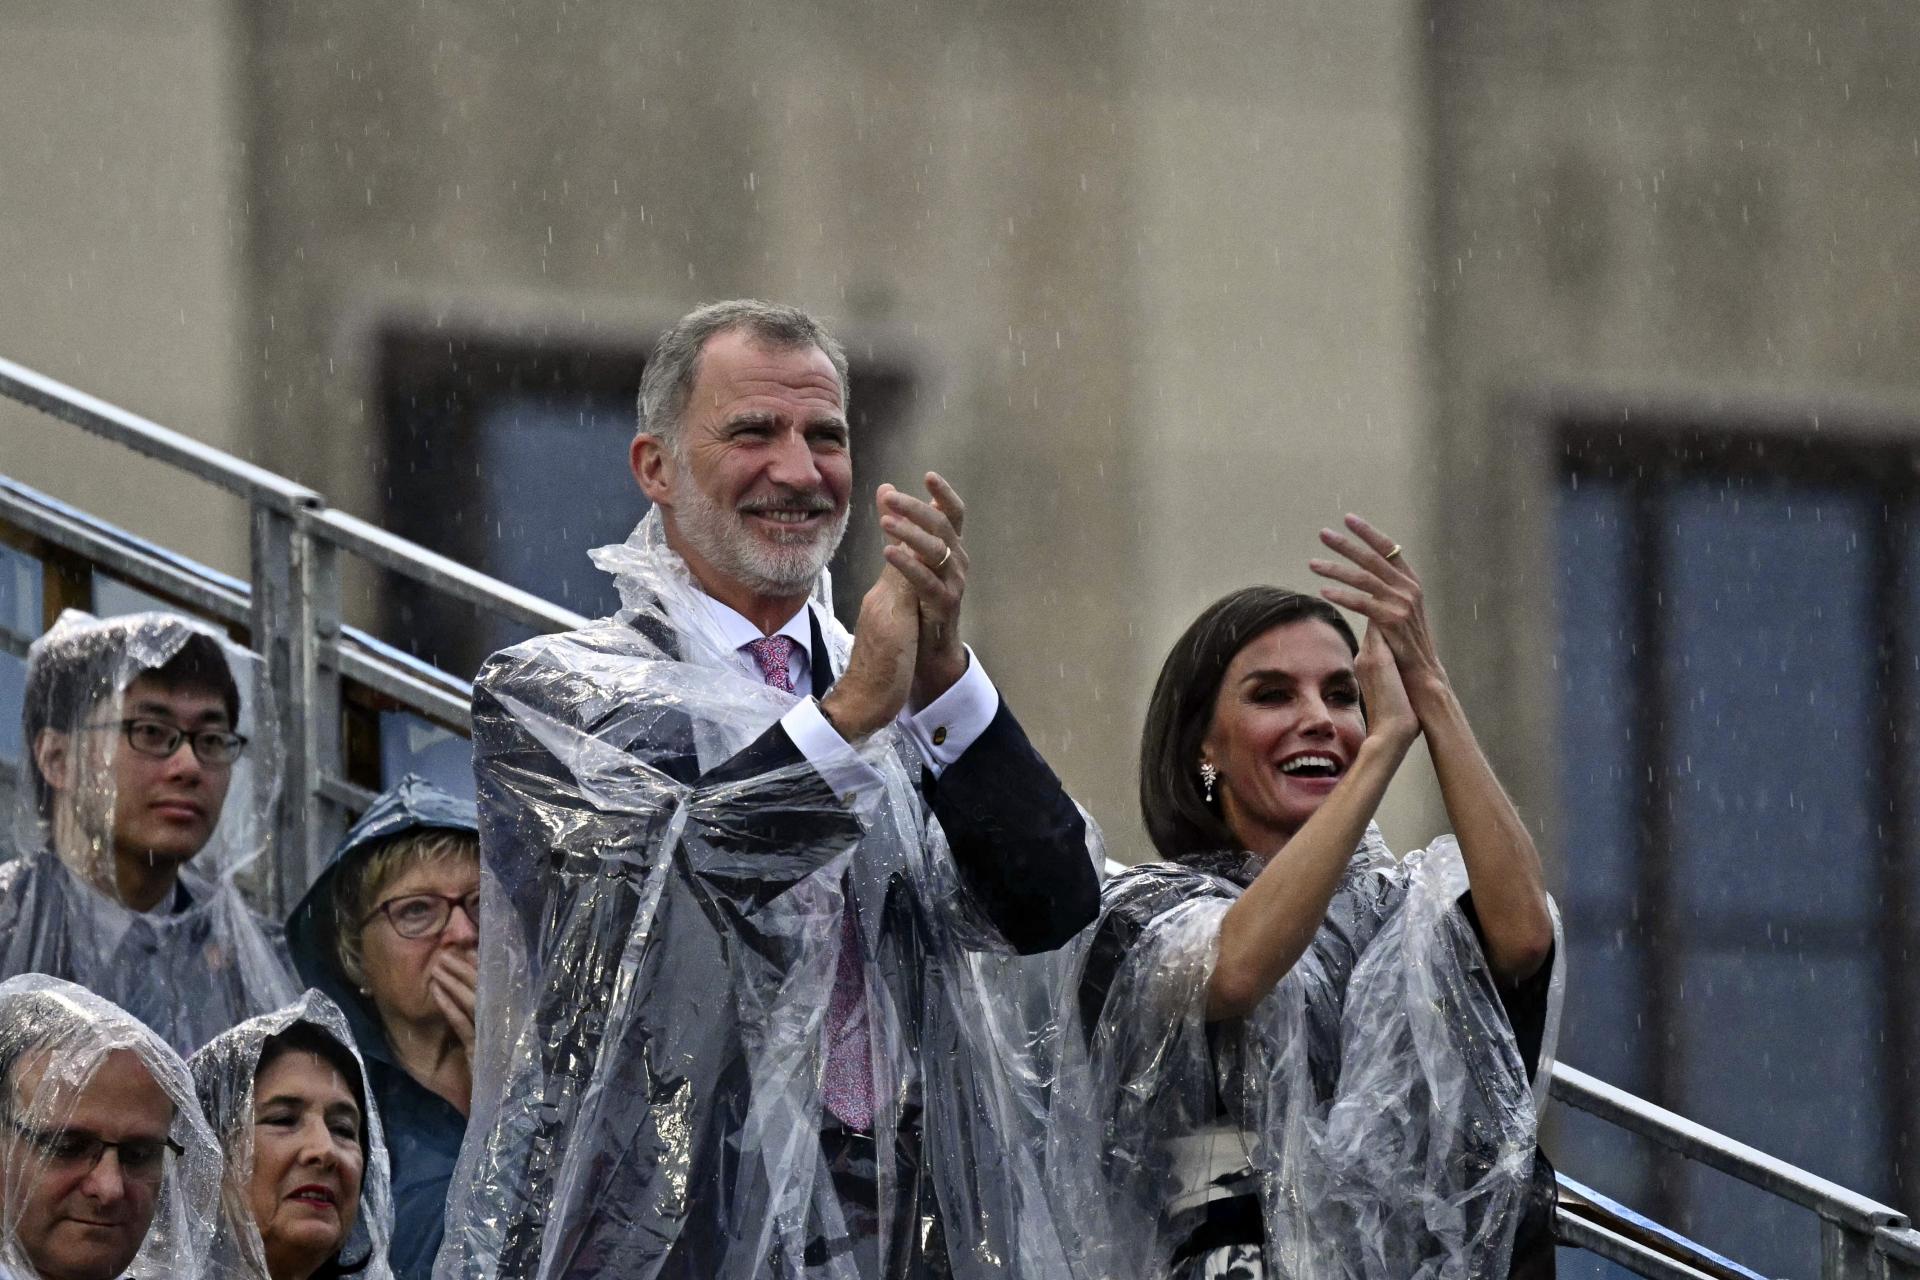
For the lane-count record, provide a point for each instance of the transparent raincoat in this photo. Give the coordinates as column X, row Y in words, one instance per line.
column 199, row 960
column 1372, row 1117
column 666, row 882
column 223, row 1075
column 69, row 1032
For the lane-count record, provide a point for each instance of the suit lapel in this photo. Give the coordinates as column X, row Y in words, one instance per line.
column 820, row 664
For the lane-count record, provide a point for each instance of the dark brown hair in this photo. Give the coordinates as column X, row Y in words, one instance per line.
column 1180, row 821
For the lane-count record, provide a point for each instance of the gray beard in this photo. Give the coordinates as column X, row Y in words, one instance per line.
column 721, row 538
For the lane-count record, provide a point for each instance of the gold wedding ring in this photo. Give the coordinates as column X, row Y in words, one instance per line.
column 1396, row 551
column 943, row 559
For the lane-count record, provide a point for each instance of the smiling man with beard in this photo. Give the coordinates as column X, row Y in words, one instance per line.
column 743, row 874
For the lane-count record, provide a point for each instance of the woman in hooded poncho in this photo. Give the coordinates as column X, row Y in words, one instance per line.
column 306, row 1194
column 390, row 931
column 1298, row 1055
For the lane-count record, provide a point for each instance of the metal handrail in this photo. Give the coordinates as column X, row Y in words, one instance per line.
column 372, row 543
column 258, row 485
column 163, row 444
column 1706, row 1146
column 292, row 602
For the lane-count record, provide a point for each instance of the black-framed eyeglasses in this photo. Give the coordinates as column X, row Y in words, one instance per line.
column 160, row 740
column 415, row 915
column 142, row 1160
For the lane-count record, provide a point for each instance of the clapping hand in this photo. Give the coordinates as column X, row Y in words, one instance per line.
column 1376, row 582
column 882, row 669
column 924, row 546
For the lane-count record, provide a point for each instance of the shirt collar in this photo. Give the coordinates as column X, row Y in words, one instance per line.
column 739, row 632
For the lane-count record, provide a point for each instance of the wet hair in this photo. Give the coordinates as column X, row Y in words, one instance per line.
column 72, row 673
column 33, row 1021
column 357, row 887
column 1180, row 820
column 308, row 1037
column 670, row 373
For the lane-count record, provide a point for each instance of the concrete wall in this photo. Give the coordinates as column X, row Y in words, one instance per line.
column 1708, row 215
column 121, row 243
column 1641, row 204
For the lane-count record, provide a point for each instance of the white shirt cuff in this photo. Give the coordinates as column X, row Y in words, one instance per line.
column 852, row 779
column 952, row 722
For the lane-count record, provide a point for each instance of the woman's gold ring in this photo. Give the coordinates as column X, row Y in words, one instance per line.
column 1396, row 551
column 943, row 559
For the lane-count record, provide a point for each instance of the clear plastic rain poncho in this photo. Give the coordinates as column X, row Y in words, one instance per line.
column 1373, row 1112
column 199, row 960
column 68, row 1033
column 663, row 920
column 223, row 1074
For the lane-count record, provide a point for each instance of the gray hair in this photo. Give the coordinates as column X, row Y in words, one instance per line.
column 668, row 379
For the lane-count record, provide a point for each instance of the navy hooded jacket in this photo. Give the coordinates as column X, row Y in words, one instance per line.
column 423, row 1129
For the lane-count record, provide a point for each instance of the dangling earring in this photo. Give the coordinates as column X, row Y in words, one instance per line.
column 1208, row 775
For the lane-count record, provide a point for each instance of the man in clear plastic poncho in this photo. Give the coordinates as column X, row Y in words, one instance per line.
column 742, row 871
column 149, row 784
column 107, row 1167
column 307, row 1194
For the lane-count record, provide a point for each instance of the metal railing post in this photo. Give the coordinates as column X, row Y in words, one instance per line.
column 1896, row 1254
column 326, row 818
column 296, row 593
column 1845, row 1254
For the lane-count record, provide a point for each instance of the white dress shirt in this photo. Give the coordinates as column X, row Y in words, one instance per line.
column 942, row 730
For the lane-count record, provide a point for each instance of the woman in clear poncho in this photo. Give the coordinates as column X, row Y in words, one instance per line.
column 107, row 1167
column 1297, row 1055
column 150, row 778
column 306, row 1193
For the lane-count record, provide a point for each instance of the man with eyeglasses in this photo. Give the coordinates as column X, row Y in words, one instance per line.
column 100, row 1143
column 139, row 806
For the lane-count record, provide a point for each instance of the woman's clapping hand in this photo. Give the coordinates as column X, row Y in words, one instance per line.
column 1376, row 582
column 1389, row 714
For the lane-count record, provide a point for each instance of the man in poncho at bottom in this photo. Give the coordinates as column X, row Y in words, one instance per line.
column 107, row 1167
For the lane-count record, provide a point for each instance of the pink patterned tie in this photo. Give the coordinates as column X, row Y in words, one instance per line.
column 848, row 1086
column 774, row 656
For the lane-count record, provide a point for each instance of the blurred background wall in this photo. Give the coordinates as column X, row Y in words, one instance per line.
column 1606, row 312
column 123, row 241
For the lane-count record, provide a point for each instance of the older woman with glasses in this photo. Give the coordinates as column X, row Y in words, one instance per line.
column 390, row 930
column 306, row 1193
